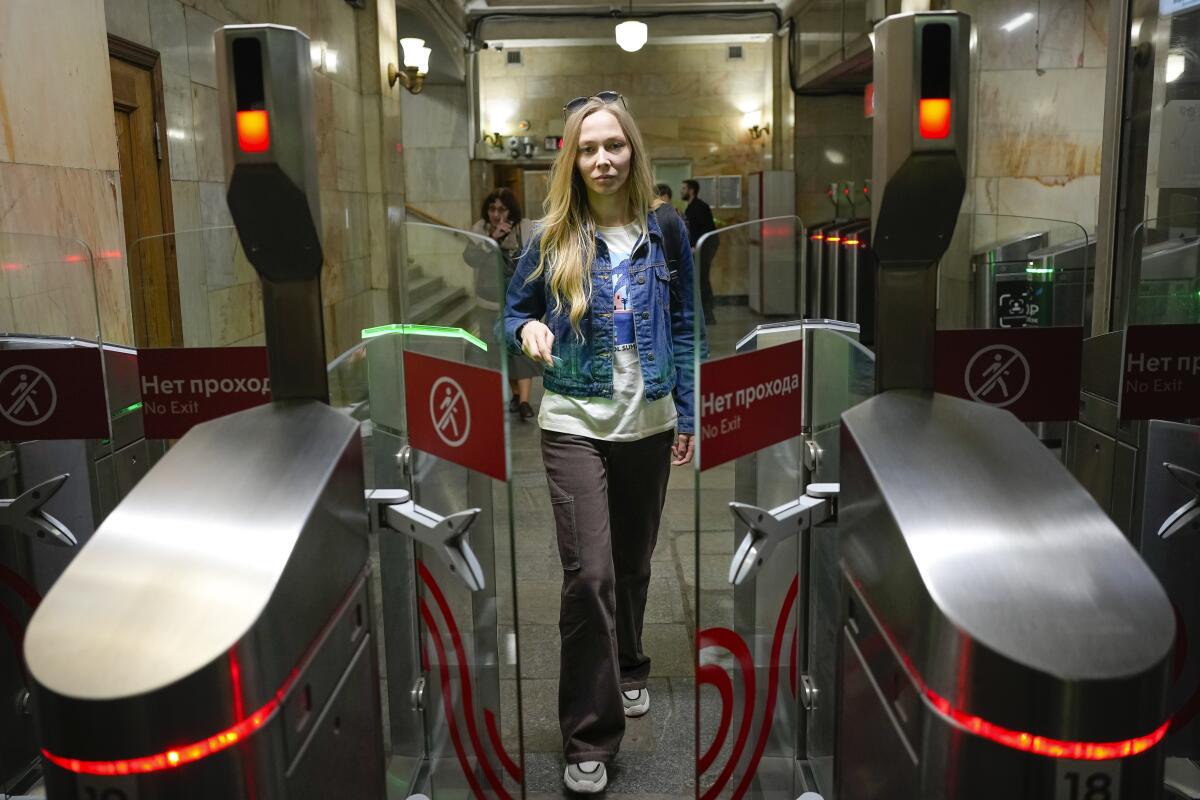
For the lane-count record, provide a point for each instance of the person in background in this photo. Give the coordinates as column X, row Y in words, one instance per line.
column 663, row 191
column 501, row 220
column 595, row 300
column 699, row 218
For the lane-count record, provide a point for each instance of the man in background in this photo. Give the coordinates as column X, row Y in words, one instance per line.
column 699, row 218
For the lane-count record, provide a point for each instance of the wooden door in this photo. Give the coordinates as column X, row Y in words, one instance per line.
column 510, row 175
column 145, row 194
column 537, row 186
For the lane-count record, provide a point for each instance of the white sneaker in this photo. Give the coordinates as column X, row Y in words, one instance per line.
column 587, row 777
column 637, row 702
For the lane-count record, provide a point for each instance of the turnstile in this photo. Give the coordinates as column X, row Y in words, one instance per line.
column 1143, row 475
column 1169, row 281
column 1004, row 296
column 216, row 637
column 988, row 649
column 56, row 493
column 857, row 297
column 834, row 301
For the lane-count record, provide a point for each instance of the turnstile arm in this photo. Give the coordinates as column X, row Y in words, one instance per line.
column 1188, row 513
column 394, row 510
column 768, row 528
column 24, row 514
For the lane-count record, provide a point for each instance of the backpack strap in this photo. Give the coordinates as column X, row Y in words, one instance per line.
column 672, row 230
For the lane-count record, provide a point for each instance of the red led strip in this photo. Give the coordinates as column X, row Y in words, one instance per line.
column 1043, row 745
column 1017, row 740
column 175, row 757
column 245, row 727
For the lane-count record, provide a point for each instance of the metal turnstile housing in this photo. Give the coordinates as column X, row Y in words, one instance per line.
column 241, row 605
column 1013, row 601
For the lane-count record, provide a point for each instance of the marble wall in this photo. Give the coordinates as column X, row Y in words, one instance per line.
column 219, row 293
column 1038, row 81
column 833, row 145
column 689, row 101
column 58, row 178
column 437, row 180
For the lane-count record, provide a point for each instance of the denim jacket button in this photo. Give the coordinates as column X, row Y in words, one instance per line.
column 650, row 357
column 645, row 315
column 642, row 278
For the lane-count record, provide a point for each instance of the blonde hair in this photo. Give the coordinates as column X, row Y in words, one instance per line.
column 568, row 232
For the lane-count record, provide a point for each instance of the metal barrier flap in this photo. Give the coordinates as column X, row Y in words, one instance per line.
column 995, row 574
column 221, row 544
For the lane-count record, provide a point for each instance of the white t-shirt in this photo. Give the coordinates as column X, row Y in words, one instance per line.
column 626, row 416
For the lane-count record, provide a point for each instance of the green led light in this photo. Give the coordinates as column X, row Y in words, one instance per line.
column 127, row 410
column 1039, row 270
column 424, row 330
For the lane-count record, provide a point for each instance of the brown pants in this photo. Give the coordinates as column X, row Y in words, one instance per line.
column 607, row 499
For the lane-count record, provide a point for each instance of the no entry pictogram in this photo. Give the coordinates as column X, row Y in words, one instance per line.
column 450, row 411
column 1031, row 372
column 52, row 393
column 27, row 395
column 455, row 411
column 997, row 375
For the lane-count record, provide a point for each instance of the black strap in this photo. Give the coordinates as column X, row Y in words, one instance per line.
column 672, row 231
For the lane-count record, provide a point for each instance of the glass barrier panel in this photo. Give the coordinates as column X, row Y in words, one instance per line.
column 748, row 631
column 56, row 380
column 1022, row 271
column 842, row 375
column 1166, row 271
column 466, row 636
column 1009, row 273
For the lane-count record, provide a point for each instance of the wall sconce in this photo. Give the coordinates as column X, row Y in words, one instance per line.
column 752, row 120
column 416, row 66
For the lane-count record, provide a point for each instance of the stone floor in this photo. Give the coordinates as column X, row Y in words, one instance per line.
column 657, row 758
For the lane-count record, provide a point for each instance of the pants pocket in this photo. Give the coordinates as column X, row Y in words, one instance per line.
column 566, row 532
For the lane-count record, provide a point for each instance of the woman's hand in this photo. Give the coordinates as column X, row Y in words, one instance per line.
column 501, row 230
column 681, row 452
column 537, row 341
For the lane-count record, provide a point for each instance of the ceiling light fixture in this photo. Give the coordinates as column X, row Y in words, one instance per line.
column 1176, row 65
column 631, row 34
column 1017, row 22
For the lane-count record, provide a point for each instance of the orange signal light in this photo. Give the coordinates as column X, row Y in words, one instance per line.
column 816, row 237
column 851, row 242
column 834, row 239
column 254, row 131
column 935, row 117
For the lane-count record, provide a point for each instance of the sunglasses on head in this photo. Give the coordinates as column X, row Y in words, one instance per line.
column 606, row 96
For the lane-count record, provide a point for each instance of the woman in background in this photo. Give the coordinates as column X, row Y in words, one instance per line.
column 500, row 218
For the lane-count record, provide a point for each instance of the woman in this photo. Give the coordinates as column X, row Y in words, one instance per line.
column 593, row 299
column 500, row 219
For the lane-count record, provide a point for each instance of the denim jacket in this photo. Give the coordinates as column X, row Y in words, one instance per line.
column 662, row 319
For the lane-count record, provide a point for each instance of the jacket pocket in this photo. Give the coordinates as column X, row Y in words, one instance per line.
column 565, row 528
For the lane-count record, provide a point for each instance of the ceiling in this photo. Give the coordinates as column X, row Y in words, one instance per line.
column 567, row 21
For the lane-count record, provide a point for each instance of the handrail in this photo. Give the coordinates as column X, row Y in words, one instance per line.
column 425, row 215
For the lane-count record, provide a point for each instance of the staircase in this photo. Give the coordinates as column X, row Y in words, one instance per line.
column 431, row 302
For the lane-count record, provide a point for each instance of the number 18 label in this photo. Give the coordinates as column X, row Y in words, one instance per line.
column 1088, row 780
column 94, row 787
